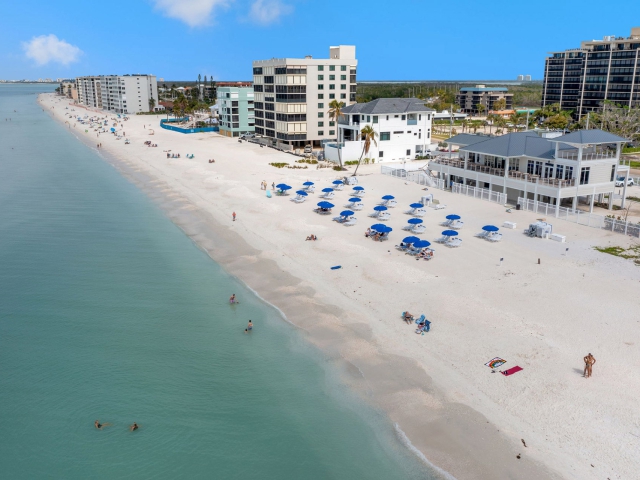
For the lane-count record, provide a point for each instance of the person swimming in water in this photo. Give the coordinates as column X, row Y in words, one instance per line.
column 232, row 299
column 98, row 425
column 133, row 427
column 250, row 326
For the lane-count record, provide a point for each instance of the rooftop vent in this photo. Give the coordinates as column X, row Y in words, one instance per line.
column 308, row 56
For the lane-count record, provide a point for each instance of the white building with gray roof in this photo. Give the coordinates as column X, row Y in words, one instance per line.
column 541, row 166
column 403, row 126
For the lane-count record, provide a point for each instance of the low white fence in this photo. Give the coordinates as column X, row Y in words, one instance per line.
column 581, row 218
column 416, row 176
column 481, row 193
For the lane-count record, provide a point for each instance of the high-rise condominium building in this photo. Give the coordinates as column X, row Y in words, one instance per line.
column 119, row 93
column 470, row 97
column 581, row 79
column 89, row 91
column 292, row 95
column 235, row 107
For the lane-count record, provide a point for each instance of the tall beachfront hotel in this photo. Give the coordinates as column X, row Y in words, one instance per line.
column 581, row 79
column 119, row 93
column 292, row 95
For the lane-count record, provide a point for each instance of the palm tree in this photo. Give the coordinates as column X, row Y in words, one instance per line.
column 368, row 134
column 335, row 113
column 152, row 104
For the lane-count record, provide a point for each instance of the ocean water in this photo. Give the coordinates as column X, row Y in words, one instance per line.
column 108, row 311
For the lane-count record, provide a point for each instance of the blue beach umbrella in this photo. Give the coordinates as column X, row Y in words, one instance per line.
column 327, row 190
column 307, row 184
column 337, row 182
column 378, row 227
column 490, row 228
column 113, row 129
column 284, row 187
column 416, row 205
column 421, row 244
column 380, row 208
column 302, row 193
column 450, row 233
column 358, row 188
column 355, row 200
column 453, row 217
column 280, row 185
column 388, row 197
column 328, row 205
column 346, row 213
column 387, row 229
column 410, row 239
column 414, row 221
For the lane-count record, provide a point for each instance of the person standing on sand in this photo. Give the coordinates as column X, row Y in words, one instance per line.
column 234, row 216
column 589, row 361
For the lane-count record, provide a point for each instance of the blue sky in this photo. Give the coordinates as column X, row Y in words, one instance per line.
column 395, row 40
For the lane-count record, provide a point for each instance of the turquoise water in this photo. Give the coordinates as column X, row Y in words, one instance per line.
column 110, row 312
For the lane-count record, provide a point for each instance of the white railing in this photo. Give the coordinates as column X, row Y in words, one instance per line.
column 417, row 176
column 581, row 218
column 481, row 193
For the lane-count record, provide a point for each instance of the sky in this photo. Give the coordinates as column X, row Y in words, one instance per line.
column 395, row 40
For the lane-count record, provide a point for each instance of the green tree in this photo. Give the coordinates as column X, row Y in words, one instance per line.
column 368, row 134
column 557, row 122
column 152, row 104
column 335, row 112
column 500, row 104
column 481, row 108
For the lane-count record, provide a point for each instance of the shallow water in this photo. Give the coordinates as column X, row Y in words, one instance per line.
column 110, row 312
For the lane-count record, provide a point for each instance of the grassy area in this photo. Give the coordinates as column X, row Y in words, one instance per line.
column 631, row 253
column 631, row 149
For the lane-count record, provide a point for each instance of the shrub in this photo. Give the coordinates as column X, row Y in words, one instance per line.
column 337, row 168
column 279, row 165
column 351, row 162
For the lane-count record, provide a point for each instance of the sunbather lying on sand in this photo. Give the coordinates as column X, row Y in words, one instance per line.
column 408, row 317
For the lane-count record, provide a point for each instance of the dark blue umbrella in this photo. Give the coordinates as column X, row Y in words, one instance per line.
column 387, row 229
column 302, row 193
column 415, row 221
column 327, row 190
column 284, row 187
column 337, row 182
column 280, row 185
column 358, row 188
column 346, row 213
column 449, row 233
column 355, row 200
column 410, row 239
column 421, row 244
column 307, row 184
column 490, row 228
column 416, row 205
column 453, row 217
column 378, row 227
column 380, row 208
column 330, row 205
column 388, row 197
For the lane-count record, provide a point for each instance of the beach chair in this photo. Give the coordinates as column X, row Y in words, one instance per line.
column 496, row 237
column 408, row 227
column 418, row 229
column 351, row 222
column 446, row 223
column 454, row 243
column 456, row 225
column 413, row 251
column 357, row 206
column 402, row 247
column 339, row 187
column 482, row 234
column 309, row 188
column 384, row 216
column 338, row 219
column 442, row 239
column 391, row 203
column 328, row 195
column 419, row 212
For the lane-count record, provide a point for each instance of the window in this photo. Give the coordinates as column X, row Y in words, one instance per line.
column 343, row 87
column 321, row 96
column 320, row 77
column 584, row 175
column 375, row 119
column 343, row 68
column 343, row 77
column 332, row 124
column 332, row 77
column 613, row 172
column 321, row 105
column 332, row 68
column 320, row 114
column 332, row 87
column 321, row 68
column 385, row 136
column 409, row 152
column 321, row 124
column 381, row 154
column 398, row 133
column 321, row 133
column 419, row 117
column 320, row 87
column 387, row 117
column 404, row 117
column 332, row 96
column 332, row 132
column 343, row 96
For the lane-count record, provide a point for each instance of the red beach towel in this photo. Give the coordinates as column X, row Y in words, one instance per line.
column 511, row 371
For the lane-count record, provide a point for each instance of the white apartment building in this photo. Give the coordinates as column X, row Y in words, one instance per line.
column 89, row 91
column 403, row 126
column 292, row 95
column 129, row 93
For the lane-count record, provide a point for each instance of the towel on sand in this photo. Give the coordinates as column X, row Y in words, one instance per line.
column 496, row 362
column 511, row 371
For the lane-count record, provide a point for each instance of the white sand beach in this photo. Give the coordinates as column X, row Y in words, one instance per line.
column 543, row 309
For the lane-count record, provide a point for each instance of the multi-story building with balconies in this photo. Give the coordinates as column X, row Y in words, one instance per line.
column 470, row 97
column 292, row 96
column 129, row 93
column 582, row 79
column 236, row 110
column 89, row 91
column 547, row 166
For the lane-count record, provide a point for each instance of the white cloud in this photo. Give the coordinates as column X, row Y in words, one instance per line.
column 49, row 48
column 194, row 13
column 268, row 11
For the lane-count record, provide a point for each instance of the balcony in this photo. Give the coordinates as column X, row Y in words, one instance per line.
column 600, row 154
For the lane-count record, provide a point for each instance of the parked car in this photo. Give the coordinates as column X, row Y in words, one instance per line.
column 308, row 149
column 620, row 182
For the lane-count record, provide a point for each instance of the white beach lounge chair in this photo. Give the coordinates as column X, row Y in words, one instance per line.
column 357, row 206
column 408, row 227
column 442, row 239
column 418, row 229
column 310, row 188
column 419, row 212
column 439, row 207
column 456, row 225
column 456, row 242
column 351, row 222
column 384, row 216
column 391, row 203
column 496, row 237
column 339, row 187
column 482, row 234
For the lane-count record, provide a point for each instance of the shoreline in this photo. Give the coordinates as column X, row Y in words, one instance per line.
column 453, row 436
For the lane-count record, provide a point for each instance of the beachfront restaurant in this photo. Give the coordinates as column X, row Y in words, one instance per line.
column 549, row 167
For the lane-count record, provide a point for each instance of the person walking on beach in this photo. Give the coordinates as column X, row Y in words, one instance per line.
column 589, row 361
column 234, row 216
